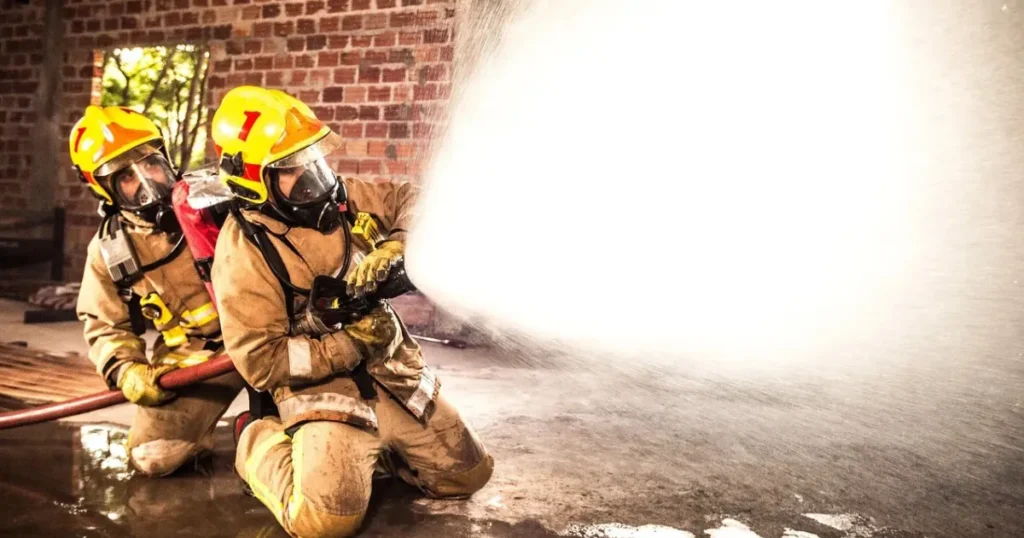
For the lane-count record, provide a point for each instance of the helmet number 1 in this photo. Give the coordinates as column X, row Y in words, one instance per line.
column 250, row 119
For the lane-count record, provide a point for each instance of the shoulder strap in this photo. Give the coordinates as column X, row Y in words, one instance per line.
column 257, row 235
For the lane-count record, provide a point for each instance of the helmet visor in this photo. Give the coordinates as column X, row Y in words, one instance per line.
column 305, row 184
column 142, row 183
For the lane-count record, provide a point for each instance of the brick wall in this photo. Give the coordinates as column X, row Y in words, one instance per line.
column 378, row 71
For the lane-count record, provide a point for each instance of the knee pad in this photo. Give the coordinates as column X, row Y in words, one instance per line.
column 463, row 484
column 162, row 456
column 310, row 522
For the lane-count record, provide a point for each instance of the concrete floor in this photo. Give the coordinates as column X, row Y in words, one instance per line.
column 588, row 449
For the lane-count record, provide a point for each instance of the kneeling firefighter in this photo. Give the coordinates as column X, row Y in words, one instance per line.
column 138, row 267
column 347, row 394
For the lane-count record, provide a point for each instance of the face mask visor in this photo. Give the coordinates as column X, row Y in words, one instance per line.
column 303, row 185
column 143, row 183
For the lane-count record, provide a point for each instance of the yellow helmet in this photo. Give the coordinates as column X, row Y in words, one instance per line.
column 256, row 130
column 109, row 139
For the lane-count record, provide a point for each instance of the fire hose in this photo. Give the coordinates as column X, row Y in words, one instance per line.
column 170, row 381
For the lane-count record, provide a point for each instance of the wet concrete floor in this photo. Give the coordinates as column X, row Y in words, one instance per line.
column 74, row 480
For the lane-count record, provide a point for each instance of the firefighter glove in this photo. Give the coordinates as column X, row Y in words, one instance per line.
column 374, row 268
column 378, row 330
column 138, row 382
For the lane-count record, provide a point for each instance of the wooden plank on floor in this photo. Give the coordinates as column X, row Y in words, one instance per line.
column 35, row 376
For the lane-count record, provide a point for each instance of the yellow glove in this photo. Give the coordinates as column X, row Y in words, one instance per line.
column 374, row 268
column 377, row 330
column 138, row 383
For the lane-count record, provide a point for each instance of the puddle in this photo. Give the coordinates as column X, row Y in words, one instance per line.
column 63, row 480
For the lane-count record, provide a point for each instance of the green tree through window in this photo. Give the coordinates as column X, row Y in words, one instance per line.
column 167, row 84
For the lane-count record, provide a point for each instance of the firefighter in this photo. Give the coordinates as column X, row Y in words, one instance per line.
column 346, row 396
column 138, row 268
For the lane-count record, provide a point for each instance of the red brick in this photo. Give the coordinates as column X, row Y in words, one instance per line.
column 426, row 18
column 209, row 17
column 397, row 112
column 352, row 130
column 410, row 38
column 369, row 167
column 397, row 167
column 234, row 47
column 425, row 92
column 189, row 18
column 333, row 94
column 447, row 54
column 351, row 58
column 275, row 78
column 253, row 46
column 376, row 130
column 401, row 19
column 298, row 77
column 316, row 42
column 404, row 151
column 377, row 148
column 170, row 19
column 345, row 75
column 444, row 91
column 430, row 73
column 379, row 93
column 369, row 74
column 385, row 4
column 284, row 62
column 111, row 24
column 254, row 79
column 334, row 6
column 305, row 61
column 306, row 26
column 264, row 63
column 369, row 113
column 401, row 56
column 355, row 94
column 345, row 113
column 435, row 36
column 394, row 75
column 347, row 166
column 308, row 96
column 293, row 10
column 398, row 130
column 327, row 59
column 323, row 113
column 362, row 41
column 284, row 29
column 314, row 6
column 115, row 8
column 359, row 5
column 421, row 130
column 387, row 39
column 271, row 10
column 329, row 25
column 376, row 21
column 374, row 57
column 250, row 13
column 407, row 3
column 237, row 79
column 351, row 22
column 263, row 29
column 243, row 65
column 296, row 44
column 336, row 41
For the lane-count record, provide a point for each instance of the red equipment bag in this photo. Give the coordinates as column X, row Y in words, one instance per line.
column 197, row 216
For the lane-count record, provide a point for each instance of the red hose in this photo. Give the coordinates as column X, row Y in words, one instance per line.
column 170, row 381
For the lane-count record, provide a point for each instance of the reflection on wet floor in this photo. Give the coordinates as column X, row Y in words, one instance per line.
column 62, row 480
column 76, row 481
